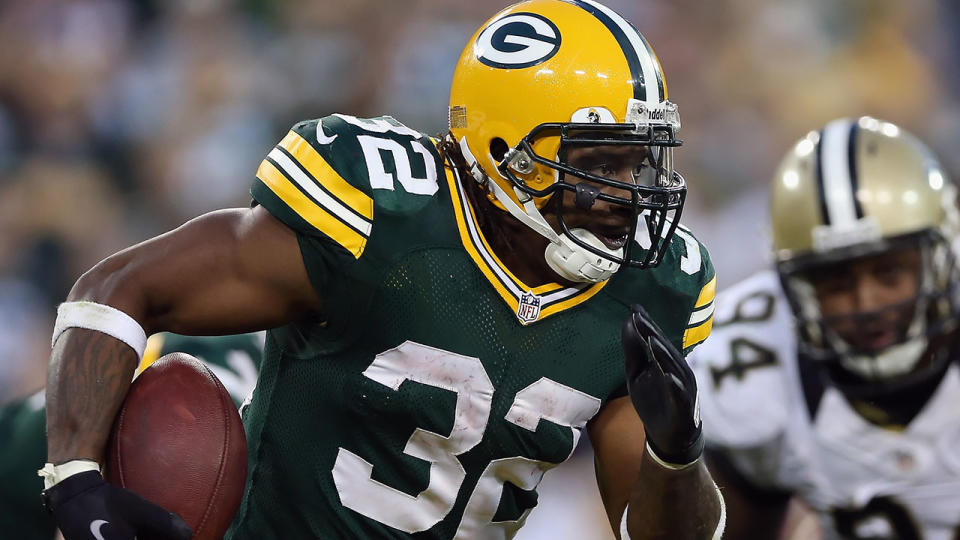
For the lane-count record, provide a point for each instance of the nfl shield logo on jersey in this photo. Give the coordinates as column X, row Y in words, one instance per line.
column 529, row 308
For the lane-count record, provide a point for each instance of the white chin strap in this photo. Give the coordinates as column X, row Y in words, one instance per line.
column 575, row 263
column 564, row 256
column 895, row 360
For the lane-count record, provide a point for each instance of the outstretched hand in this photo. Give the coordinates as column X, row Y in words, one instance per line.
column 87, row 508
column 663, row 390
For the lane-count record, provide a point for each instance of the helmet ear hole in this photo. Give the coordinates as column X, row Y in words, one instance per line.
column 498, row 149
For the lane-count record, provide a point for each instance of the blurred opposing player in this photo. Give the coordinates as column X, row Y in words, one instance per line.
column 446, row 315
column 834, row 378
column 234, row 359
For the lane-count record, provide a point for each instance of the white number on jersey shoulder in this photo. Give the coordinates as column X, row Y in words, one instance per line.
column 690, row 262
column 373, row 153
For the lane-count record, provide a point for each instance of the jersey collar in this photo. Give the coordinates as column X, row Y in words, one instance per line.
column 530, row 304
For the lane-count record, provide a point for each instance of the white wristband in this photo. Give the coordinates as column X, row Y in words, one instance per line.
column 102, row 318
column 665, row 465
column 53, row 474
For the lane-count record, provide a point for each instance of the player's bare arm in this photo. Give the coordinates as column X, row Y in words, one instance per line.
column 226, row 272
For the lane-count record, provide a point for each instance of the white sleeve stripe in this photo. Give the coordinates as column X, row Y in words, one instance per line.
column 702, row 314
column 293, row 172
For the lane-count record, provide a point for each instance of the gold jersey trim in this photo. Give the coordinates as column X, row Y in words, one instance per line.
column 531, row 304
column 351, row 239
column 323, row 174
column 697, row 334
column 707, row 293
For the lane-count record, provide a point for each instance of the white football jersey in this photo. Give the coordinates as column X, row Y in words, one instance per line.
column 866, row 482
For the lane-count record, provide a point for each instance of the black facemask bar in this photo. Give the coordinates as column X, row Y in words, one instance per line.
column 940, row 307
column 659, row 206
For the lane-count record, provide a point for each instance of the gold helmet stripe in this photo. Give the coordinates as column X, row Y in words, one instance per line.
column 644, row 66
column 837, row 173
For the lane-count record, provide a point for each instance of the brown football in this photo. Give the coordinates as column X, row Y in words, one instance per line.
column 178, row 442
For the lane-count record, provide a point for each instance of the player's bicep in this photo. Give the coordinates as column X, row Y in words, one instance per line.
column 618, row 440
column 225, row 272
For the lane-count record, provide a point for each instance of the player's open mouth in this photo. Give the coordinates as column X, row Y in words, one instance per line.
column 613, row 239
column 870, row 340
column 878, row 340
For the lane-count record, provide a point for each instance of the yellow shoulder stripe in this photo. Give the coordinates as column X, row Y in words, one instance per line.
column 701, row 320
column 318, row 168
column 323, row 221
column 707, row 293
column 696, row 334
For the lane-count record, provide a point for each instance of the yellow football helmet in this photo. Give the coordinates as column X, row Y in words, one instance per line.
column 543, row 76
column 855, row 188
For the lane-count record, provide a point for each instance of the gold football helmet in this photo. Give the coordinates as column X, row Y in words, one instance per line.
column 858, row 188
column 544, row 76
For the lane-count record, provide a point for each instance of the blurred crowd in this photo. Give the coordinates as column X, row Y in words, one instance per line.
column 120, row 119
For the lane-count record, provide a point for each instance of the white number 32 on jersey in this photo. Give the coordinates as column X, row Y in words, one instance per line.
column 465, row 376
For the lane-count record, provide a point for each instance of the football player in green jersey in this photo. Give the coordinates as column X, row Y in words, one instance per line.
column 447, row 315
column 234, row 359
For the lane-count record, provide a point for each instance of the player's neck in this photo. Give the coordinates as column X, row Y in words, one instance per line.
column 897, row 405
column 897, row 409
column 517, row 246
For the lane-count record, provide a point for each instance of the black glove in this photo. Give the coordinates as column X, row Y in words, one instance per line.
column 87, row 508
column 663, row 390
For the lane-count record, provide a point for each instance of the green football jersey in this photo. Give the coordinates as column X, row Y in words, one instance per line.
column 23, row 450
column 234, row 359
column 434, row 389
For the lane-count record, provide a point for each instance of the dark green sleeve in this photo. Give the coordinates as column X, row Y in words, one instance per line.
column 23, row 450
column 315, row 182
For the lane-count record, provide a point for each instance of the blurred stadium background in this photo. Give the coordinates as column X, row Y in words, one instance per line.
column 120, row 119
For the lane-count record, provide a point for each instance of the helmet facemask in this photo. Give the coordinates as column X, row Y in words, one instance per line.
column 919, row 325
column 649, row 203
